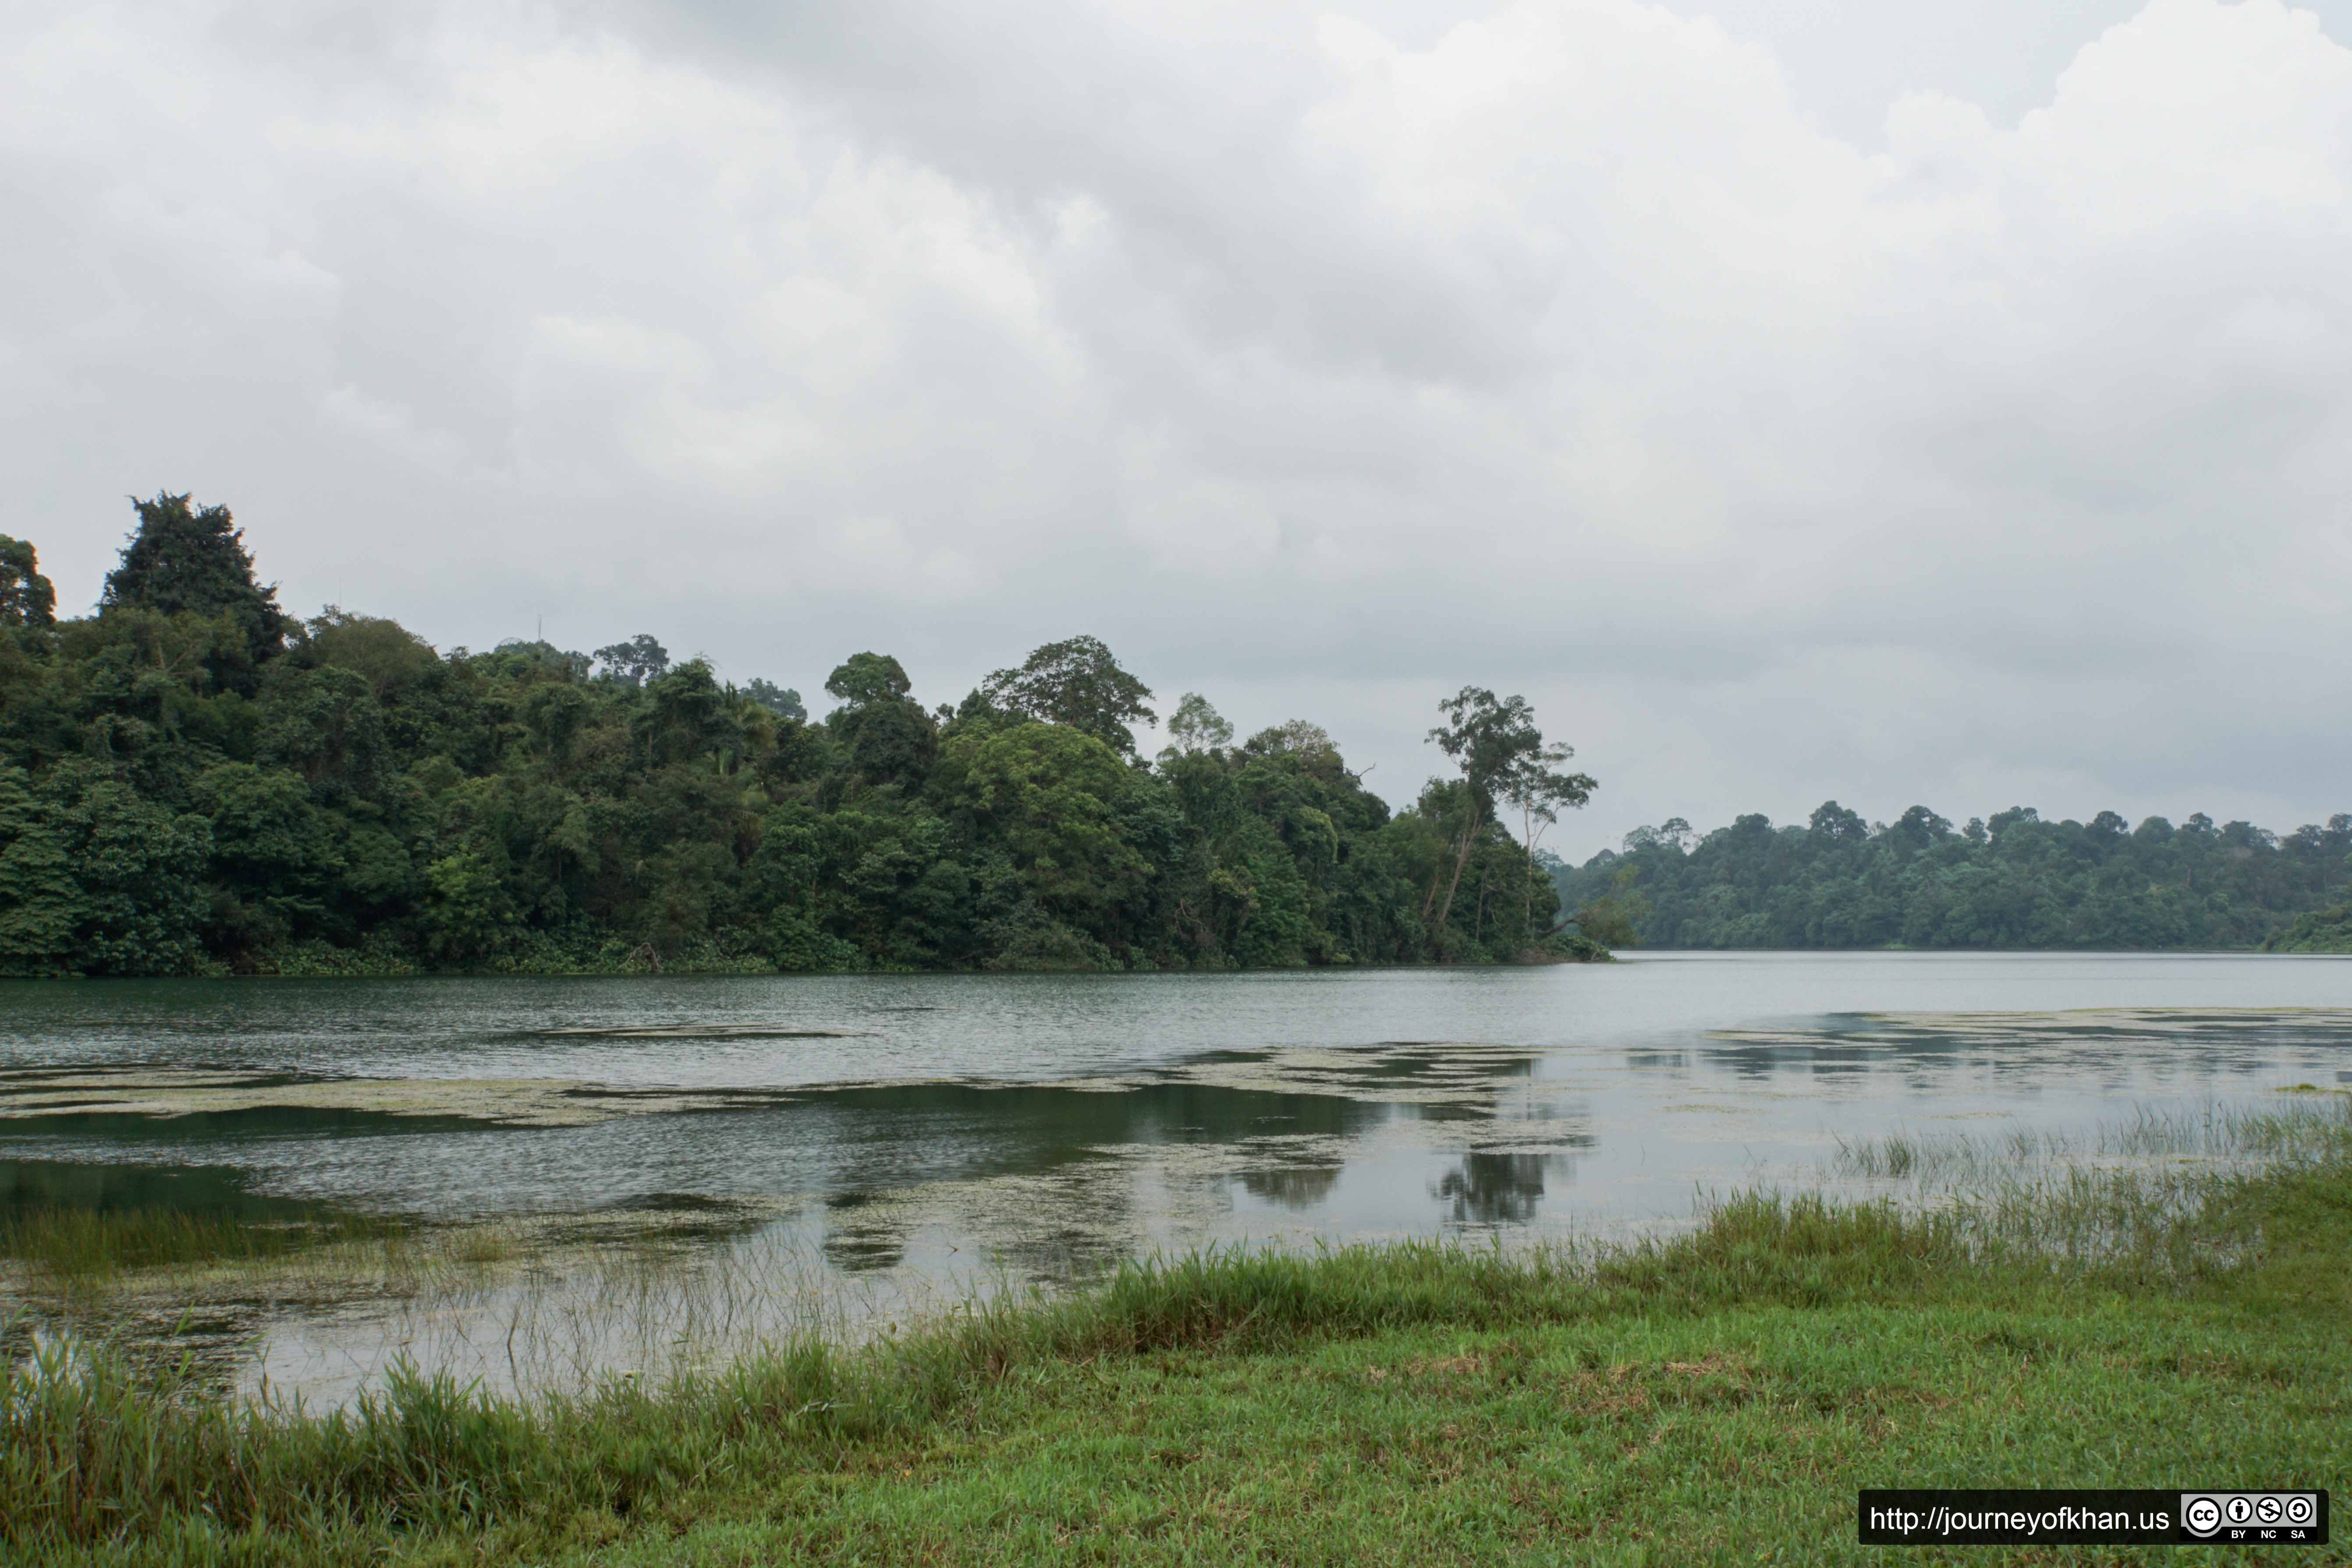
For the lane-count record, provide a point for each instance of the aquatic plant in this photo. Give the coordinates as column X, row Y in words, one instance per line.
column 88, row 1246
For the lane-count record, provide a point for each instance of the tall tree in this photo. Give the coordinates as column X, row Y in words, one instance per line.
column 27, row 599
column 867, row 677
column 1539, row 792
column 1075, row 682
column 781, row 701
column 1491, row 740
column 635, row 661
column 889, row 737
column 1198, row 727
column 185, row 559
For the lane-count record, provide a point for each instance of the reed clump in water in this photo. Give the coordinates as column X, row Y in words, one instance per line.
column 2299, row 1130
column 96, row 1248
column 2124, row 1202
column 523, row 1305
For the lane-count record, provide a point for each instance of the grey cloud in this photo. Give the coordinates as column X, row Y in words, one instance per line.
column 1322, row 362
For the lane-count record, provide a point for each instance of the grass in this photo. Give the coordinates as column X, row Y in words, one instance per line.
column 530, row 1304
column 1716, row 1397
column 2297, row 1129
column 97, row 1248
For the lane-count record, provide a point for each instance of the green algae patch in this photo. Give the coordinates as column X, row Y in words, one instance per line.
column 2076, row 1027
column 76, row 1095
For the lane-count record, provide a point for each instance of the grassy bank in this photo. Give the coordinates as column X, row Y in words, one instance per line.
column 1714, row 1398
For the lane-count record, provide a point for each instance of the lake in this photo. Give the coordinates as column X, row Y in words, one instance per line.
column 894, row 1132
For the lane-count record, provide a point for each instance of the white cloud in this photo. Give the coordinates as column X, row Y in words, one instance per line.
column 1319, row 360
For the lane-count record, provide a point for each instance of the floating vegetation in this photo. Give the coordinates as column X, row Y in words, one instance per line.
column 693, row 1032
column 1420, row 1072
column 80, row 1092
column 1466, row 1073
column 2097, row 1026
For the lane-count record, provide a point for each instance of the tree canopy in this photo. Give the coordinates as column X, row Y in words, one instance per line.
column 25, row 597
column 180, row 797
column 2013, row 880
column 1195, row 726
column 1495, row 742
column 635, row 661
column 189, row 560
column 1076, row 683
column 781, row 701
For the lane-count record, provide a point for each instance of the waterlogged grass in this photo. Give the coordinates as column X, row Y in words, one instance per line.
column 2300, row 1128
column 2132, row 1201
column 524, row 1305
column 95, row 1249
column 1716, row 1397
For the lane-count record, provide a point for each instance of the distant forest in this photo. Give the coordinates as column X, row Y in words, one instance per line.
column 2012, row 881
column 192, row 782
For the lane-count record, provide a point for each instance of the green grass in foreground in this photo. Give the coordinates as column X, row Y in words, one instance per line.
column 1718, row 1398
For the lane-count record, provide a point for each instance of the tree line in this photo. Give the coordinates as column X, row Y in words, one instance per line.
column 193, row 781
column 2012, row 881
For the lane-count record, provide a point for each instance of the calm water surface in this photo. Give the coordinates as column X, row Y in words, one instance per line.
column 893, row 1133
column 1043, row 1116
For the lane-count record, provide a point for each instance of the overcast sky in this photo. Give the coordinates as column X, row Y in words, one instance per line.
column 1945, row 401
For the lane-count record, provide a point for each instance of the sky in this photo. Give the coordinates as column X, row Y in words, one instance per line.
column 1934, row 401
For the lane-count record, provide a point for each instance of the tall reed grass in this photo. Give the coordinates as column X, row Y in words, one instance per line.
column 94, row 1245
column 2297, row 1129
column 2115, row 1199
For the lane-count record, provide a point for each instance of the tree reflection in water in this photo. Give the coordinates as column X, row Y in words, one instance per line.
column 860, row 1238
column 1294, row 1187
column 1495, row 1189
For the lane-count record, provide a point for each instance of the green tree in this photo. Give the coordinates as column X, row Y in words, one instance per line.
column 386, row 654
column 558, row 716
column 635, row 661
column 1833, row 824
column 1309, row 742
column 186, row 560
column 781, row 701
column 888, row 737
column 327, row 725
column 689, row 715
column 1197, row 727
column 94, row 879
column 1075, row 682
column 863, row 678
column 1614, row 919
column 276, row 858
column 1492, row 740
column 1536, row 788
column 1050, row 794
column 27, row 599
column 466, row 909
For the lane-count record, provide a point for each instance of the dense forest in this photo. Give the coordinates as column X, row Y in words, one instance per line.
column 2015, row 881
column 193, row 782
